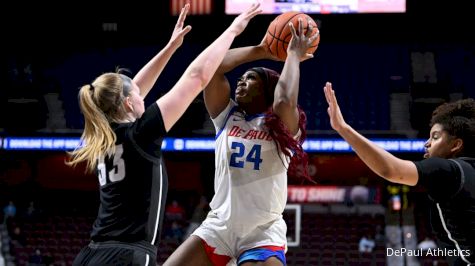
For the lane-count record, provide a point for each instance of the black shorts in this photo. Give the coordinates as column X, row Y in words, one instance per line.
column 115, row 253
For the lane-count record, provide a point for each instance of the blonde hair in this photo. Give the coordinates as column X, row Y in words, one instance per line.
column 101, row 104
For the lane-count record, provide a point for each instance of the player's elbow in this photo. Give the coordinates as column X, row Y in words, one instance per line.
column 196, row 75
column 199, row 75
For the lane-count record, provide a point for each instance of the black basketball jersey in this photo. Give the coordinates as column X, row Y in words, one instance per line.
column 451, row 188
column 133, row 182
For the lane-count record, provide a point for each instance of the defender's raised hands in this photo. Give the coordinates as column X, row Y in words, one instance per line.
column 241, row 21
column 179, row 32
column 336, row 118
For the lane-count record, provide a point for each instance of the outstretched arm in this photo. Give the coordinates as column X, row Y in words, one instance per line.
column 201, row 70
column 377, row 159
column 287, row 89
column 147, row 76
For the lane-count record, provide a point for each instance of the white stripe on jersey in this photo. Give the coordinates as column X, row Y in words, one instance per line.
column 157, row 219
column 449, row 235
column 442, row 220
column 147, row 259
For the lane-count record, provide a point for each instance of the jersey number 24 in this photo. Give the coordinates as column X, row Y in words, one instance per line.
column 239, row 151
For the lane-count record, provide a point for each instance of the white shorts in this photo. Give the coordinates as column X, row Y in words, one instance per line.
column 217, row 233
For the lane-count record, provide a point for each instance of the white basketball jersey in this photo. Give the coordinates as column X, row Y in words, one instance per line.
column 251, row 172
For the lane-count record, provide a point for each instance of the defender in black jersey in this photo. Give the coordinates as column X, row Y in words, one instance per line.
column 122, row 143
column 447, row 172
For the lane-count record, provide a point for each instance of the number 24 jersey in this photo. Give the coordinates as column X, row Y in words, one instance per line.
column 251, row 172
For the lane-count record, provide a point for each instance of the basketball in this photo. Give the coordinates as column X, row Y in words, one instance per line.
column 278, row 33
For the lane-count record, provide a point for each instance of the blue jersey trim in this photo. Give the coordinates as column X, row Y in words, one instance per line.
column 261, row 254
column 251, row 117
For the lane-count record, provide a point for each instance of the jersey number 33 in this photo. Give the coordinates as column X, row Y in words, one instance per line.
column 117, row 172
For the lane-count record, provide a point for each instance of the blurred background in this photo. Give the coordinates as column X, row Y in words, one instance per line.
column 389, row 70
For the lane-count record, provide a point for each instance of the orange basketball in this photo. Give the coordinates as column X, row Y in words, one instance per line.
column 278, row 33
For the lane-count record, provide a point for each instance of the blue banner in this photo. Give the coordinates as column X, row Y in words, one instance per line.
column 207, row 144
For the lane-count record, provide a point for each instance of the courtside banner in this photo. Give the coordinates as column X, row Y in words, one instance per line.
column 333, row 194
column 207, row 144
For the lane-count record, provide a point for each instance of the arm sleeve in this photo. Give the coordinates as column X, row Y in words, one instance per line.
column 441, row 177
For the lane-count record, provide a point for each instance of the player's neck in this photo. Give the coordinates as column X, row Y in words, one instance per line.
column 128, row 119
column 252, row 109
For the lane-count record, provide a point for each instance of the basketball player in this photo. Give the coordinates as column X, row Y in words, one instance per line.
column 447, row 172
column 256, row 133
column 122, row 142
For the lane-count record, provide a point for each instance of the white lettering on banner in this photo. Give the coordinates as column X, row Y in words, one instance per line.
column 327, row 145
column 25, row 143
column 326, row 194
column 199, row 144
column 392, row 145
column 208, row 144
column 405, row 145
column 418, row 145
column 297, row 194
column 341, row 146
column 316, row 194
column 72, row 144
column 48, row 143
column 58, row 143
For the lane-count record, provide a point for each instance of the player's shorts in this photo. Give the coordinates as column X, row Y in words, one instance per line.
column 115, row 253
column 255, row 254
column 220, row 240
column 262, row 254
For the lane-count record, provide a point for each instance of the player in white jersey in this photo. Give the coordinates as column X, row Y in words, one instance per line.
column 256, row 136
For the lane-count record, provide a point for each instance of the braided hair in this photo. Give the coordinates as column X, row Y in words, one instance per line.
column 279, row 131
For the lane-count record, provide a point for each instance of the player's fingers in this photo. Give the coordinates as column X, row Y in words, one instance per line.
column 292, row 30
column 183, row 13
column 309, row 28
column 315, row 36
column 301, row 27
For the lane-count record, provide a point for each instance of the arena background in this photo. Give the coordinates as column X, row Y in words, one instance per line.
column 389, row 71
